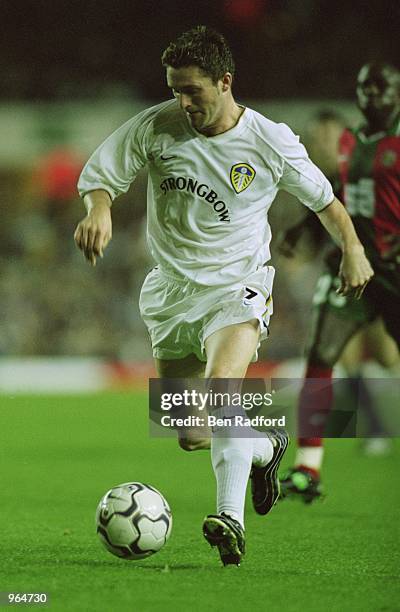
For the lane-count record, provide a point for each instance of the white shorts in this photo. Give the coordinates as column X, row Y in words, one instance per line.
column 180, row 314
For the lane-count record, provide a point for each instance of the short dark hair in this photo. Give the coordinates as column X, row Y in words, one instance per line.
column 381, row 67
column 203, row 47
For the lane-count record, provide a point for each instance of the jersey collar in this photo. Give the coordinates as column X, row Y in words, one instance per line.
column 225, row 136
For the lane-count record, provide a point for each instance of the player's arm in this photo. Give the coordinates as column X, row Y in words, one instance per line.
column 94, row 232
column 300, row 177
column 355, row 270
column 110, row 171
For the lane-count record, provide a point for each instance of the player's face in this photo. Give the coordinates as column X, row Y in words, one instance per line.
column 203, row 101
column 378, row 93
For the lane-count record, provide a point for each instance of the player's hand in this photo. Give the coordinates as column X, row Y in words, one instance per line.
column 94, row 232
column 355, row 272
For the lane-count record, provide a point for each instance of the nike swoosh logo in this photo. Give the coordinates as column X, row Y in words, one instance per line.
column 166, row 157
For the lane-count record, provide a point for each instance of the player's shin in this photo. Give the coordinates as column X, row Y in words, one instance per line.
column 314, row 409
column 234, row 449
column 231, row 458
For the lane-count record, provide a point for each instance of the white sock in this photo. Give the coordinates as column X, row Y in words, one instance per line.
column 262, row 449
column 231, row 458
column 232, row 455
column 310, row 456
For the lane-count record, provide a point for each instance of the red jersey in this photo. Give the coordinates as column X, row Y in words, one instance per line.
column 369, row 169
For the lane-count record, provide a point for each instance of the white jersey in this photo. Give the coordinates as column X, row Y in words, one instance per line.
column 208, row 197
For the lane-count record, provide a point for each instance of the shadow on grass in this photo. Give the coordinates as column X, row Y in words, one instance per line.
column 160, row 567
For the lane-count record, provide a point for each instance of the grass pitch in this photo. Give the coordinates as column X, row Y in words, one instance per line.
column 60, row 454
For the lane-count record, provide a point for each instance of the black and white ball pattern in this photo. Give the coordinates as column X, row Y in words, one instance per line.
column 133, row 520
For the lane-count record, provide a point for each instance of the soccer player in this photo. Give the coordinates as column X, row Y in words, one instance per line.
column 369, row 164
column 322, row 137
column 215, row 167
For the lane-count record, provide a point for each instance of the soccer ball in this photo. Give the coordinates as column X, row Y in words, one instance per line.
column 133, row 520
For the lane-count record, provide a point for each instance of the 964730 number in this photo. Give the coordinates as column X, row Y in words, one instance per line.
column 10, row 598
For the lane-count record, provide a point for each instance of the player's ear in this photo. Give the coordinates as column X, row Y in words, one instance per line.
column 227, row 81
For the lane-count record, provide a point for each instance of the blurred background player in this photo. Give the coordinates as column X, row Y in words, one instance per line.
column 206, row 302
column 369, row 174
column 371, row 342
column 322, row 138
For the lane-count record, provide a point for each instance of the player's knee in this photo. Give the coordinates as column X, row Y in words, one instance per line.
column 193, row 444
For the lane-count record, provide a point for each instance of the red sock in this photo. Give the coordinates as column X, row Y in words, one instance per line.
column 313, row 472
column 315, row 404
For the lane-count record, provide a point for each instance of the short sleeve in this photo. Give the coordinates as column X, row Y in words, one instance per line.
column 116, row 162
column 300, row 176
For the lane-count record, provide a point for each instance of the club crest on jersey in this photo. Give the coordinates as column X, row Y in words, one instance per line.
column 241, row 176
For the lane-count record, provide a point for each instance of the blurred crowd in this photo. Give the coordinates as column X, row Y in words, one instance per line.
column 53, row 302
